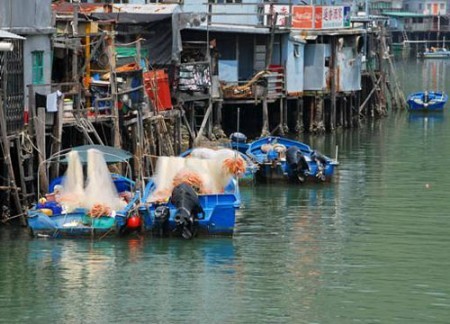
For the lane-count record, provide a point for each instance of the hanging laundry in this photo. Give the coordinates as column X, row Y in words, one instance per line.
column 52, row 101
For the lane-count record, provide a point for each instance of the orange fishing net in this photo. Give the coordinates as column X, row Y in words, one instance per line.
column 99, row 210
column 235, row 166
column 191, row 178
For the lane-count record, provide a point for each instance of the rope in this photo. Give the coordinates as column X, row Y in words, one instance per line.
column 131, row 43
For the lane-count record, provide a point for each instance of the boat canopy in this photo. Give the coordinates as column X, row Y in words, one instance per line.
column 111, row 154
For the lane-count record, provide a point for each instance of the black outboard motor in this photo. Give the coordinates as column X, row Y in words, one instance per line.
column 321, row 162
column 297, row 163
column 238, row 137
column 185, row 199
column 162, row 214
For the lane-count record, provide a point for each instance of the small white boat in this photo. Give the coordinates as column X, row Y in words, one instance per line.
column 435, row 53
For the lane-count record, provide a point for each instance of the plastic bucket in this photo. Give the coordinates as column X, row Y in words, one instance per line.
column 68, row 108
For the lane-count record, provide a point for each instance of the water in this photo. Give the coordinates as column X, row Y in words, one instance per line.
column 370, row 247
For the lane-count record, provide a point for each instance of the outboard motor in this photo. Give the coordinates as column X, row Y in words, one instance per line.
column 238, row 137
column 185, row 199
column 162, row 214
column 297, row 162
column 321, row 162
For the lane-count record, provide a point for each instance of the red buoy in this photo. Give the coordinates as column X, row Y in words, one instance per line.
column 134, row 222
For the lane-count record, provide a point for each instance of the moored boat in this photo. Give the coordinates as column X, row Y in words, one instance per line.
column 191, row 197
column 427, row 101
column 434, row 53
column 103, row 205
column 281, row 158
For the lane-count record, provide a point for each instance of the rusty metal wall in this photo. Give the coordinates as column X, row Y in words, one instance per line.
column 12, row 87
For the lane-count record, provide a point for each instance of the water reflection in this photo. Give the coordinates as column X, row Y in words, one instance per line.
column 433, row 74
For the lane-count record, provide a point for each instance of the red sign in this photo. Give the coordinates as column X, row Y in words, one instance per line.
column 302, row 17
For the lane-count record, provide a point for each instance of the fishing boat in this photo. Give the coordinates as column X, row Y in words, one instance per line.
column 435, row 53
column 103, row 205
column 427, row 101
column 202, row 152
column 191, row 196
column 281, row 158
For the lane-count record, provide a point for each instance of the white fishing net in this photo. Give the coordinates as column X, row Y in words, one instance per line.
column 100, row 188
column 207, row 170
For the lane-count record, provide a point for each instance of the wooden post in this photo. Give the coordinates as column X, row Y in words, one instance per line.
column 319, row 120
column 265, row 113
column 74, row 51
column 57, row 135
column 299, row 127
column 39, row 123
column 285, row 114
column 312, row 105
column 87, row 53
column 113, row 84
column 281, row 117
column 333, row 83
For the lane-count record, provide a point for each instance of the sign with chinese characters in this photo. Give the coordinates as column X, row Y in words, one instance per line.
column 282, row 14
column 320, row 17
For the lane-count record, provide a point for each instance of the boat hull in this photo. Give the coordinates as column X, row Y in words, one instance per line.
column 74, row 225
column 218, row 219
column 273, row 166
column 435, row 102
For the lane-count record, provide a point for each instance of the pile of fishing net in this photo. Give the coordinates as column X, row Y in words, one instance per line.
column 208, row 171
column 99, row 194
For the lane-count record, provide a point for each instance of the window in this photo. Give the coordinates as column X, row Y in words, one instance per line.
column 420, row 6
column 37, row 63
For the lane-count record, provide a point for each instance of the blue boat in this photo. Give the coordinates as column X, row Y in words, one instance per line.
column 55, row 215
column 427, row 101
column 184, row 210
column 435, row 53
column 281, row 158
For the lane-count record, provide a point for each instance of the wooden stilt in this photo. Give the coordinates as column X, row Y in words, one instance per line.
column 39, row 126
column 265, row 115
column 332, row 117
column 57, row 136
column 312, row 111
column 299, row 127
column 281, row 117
column 285, row 115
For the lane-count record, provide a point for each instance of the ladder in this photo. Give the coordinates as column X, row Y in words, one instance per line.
column 88, row 129
column 26, row 172
column 405, row 36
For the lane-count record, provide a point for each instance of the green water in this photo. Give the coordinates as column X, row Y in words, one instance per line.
column 373, row 246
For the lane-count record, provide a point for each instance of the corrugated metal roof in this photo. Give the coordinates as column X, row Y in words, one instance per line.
column 228, row 28
column 5, row 34
column 404, row 14
column 151, row 8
